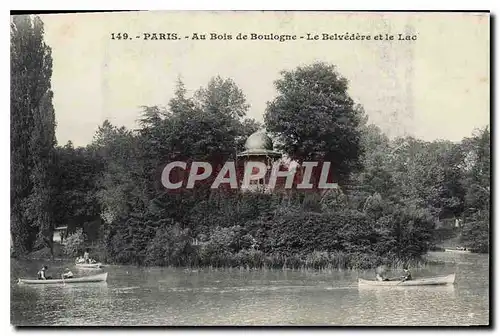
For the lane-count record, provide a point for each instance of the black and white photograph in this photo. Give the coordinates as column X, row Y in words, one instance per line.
column 250, row 168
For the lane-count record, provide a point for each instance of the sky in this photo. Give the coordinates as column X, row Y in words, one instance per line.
column 434, row 87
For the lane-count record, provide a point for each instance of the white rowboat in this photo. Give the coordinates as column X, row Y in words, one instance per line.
column 93, row 278
column 457, row 251
column 443, row 280
column 98, row 265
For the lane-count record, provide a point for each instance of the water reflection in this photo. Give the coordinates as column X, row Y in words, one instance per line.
column 407, row 290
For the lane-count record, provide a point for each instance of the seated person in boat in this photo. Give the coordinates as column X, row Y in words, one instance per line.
column 67, row 274
column 407, row 275
column 80, row 260
column 86, row 257
column 42, row 274
column 380, row 274
column 379, row 277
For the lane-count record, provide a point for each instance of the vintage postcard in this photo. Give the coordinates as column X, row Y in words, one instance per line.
column 246, row 168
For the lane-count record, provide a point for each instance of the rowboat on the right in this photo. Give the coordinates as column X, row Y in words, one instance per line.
column 457, row 251
column 442, row 280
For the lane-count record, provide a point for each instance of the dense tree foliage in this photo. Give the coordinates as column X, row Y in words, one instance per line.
column 32, row 136
column 386, row 213
column 207, row 126
column 314, row 118
column 477, row 167
column 76, row 203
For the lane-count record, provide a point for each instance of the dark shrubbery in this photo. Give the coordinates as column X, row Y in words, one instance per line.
column 171, row 246
column 260, row 231
column 475, row 234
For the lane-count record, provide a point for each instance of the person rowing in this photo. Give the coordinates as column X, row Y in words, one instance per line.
column 67, row 274
column 42, row 274
column 407, row 275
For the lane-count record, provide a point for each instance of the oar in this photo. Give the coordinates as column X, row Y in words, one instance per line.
column 401, row 281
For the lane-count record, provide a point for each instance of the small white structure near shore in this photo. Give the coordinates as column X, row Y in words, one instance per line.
column 60, row 235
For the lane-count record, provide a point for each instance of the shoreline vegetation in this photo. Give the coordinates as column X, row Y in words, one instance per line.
column 316, row 262
column 253, row 260
column 395, row 195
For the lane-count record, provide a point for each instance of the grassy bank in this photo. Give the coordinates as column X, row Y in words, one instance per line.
column 251, row 259
column 255, row 259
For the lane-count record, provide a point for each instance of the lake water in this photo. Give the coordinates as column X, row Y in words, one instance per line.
column 167, row 296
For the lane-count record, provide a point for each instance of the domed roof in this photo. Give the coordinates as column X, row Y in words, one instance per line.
column 258, row 141
column 260, row 144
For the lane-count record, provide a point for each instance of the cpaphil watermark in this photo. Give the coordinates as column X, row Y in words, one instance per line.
column 308, row 175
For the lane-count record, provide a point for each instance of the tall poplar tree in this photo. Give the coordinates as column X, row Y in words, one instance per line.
column 32, row 135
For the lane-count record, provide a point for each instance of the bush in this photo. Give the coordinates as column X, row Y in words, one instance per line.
column 307, row 232
column 475, row 235
column 171, row 246
column 333, row 200
column 75, row 244
column 251, row 258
